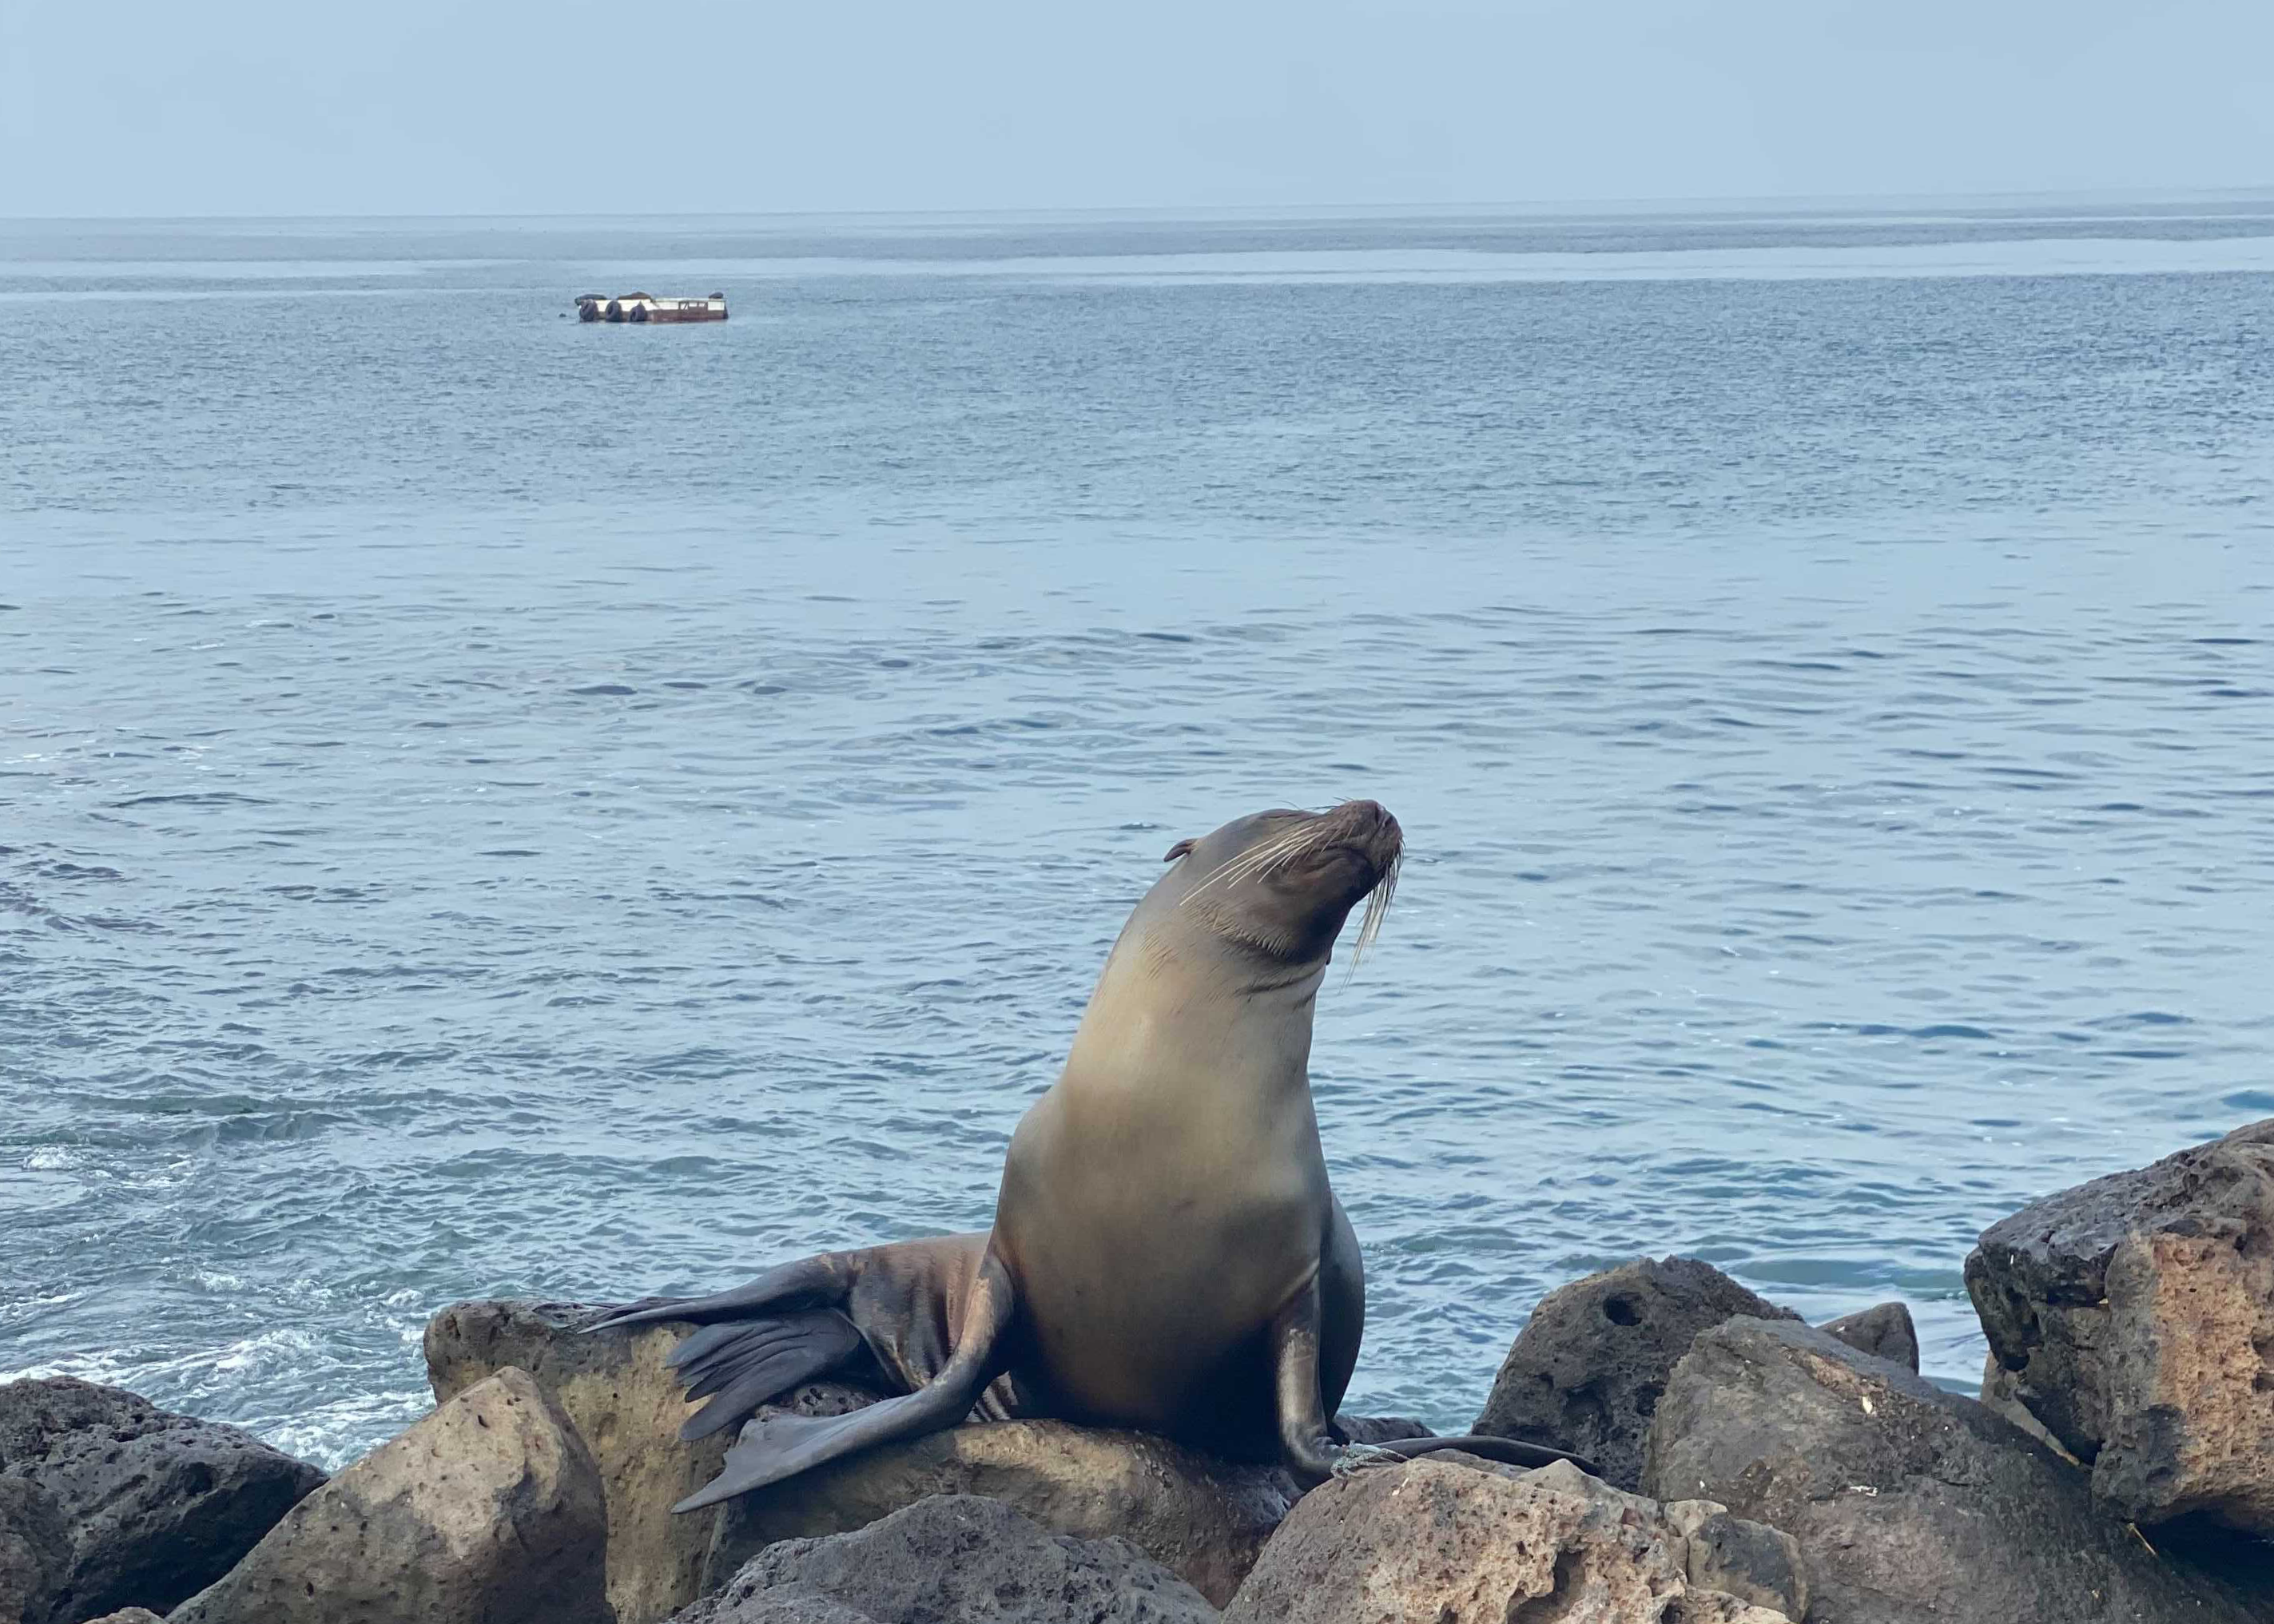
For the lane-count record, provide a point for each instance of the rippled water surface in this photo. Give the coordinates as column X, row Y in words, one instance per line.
column 494, row 805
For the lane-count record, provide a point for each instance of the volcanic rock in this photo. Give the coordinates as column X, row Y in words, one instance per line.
column 625, row 1404
column 1450, row 1539
column 1907, row 1502
column 488, row 1512
column 1884, row 1333
column 1760, row 1565
column 156, row 1504
column 2134, row 1317
column 1204, row 1519
column 1586, row 1373
column 953, row 1560
column 34, row 1545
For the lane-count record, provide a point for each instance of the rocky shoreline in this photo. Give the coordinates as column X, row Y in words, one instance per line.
column 2119, row 1465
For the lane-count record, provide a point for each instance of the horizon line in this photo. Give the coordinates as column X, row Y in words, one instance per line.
column 1698, row 204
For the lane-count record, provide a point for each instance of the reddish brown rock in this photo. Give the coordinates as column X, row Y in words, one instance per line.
column 2134, row 1317
column 1909, row 1503
column 1447, row 1540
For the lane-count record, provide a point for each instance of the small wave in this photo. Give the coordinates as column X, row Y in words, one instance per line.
column 212, row 798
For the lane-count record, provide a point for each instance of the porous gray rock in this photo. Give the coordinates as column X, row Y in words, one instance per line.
column 1204, row 1519
column 489, row 1511
column 34, row 1545
column 1759, row 1565
column 2134, row 1318
column 1380, row 1428
column 1586, row 1373
column 1884, row 1333
column 1450, row 1539
column 1755, row 1563
column 625, row 1403
column 953, row 1560
column 1999, row 1398
column 1907, row 1502
column 788, row 1604
column 128, row 1615
column 156, row 1504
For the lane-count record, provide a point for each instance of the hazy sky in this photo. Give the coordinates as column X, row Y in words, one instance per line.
column 169, row 107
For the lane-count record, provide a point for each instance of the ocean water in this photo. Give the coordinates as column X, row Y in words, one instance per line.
column 489, row 804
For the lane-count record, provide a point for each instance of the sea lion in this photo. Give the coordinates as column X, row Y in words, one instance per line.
column 1167, row 1253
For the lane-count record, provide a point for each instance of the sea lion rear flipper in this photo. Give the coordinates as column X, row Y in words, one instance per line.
column 777, row 1446
column 739, row 1366
column 782, row 1329
column 806, row 1283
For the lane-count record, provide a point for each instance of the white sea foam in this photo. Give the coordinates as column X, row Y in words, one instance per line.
column 335, row 1433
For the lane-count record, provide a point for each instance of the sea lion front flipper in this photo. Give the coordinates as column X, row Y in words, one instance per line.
column 1306, row 1443
column 777, row 1446
column 1309, row 1444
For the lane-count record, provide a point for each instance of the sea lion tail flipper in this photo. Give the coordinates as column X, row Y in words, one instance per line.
column 781, row 1446
column 803, row 1284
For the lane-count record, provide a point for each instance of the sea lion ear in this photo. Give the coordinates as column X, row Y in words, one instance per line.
column 1179, row 850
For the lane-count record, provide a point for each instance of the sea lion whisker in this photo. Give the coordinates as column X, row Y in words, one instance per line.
column 1262, row 851
column 1265, row 860
column 1215, row 877
column 1250, row 861
column 1377, row 909
column 1272, row 855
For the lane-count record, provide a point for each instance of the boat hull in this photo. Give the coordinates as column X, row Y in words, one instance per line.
column 642, row 309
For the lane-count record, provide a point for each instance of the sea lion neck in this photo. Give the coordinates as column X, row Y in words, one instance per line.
column 1173, row 1003
column 1216, row 974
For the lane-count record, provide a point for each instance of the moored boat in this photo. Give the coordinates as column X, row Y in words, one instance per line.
column 647, row 307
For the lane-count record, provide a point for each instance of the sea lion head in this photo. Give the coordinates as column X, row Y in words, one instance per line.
column 1278, row 885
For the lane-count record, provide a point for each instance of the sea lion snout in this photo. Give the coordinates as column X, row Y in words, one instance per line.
column 1352, row 848
column 1366, row 828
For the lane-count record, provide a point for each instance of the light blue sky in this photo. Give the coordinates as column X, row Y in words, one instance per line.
column 160, row 107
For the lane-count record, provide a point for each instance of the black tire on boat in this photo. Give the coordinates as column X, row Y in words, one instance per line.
column 638, row 313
